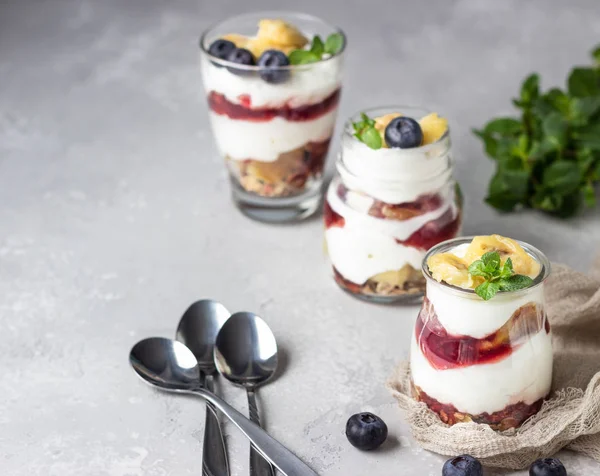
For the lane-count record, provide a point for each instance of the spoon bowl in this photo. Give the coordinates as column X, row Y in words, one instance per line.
column 165, row 363
column 246, row 350
column 198, row 329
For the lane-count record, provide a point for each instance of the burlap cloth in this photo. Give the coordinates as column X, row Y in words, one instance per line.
column 570, row 418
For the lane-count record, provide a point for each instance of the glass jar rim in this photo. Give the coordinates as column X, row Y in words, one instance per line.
column 266, row 14
column 349, row 129
column 447, row 245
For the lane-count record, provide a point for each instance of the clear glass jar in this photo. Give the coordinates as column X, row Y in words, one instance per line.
column 274, row 137
column 483, row 361
column 385, row 208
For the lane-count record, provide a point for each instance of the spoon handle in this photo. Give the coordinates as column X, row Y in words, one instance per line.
column 285, row 461
column 259, row 466
column 214, row 455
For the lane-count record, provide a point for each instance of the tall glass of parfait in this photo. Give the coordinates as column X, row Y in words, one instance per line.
column 273, row 82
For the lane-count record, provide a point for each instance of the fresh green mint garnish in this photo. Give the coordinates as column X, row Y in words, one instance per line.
column 549, row 157
column 364, row 131
column 498, row 276
column 332, row 45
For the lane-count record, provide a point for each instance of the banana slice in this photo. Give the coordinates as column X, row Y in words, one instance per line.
column 451, row 269
column 507, row 248
column 433, row 127
column 382, row 122
column 281, row 34
column 240, row 41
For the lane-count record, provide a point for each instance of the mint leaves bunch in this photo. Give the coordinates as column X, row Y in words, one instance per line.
column 332, row 46
column 498, row 276
column 364, row 131
column 549, row 158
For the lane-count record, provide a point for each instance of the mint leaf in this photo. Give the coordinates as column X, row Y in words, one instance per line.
column 491, row 260
column 317, row 47
column 555, row 128
column 477, row 268
column 368, row 121
column 487, row 290
column 589, row 195
column 584, row 108
column 370, row 136
column 504, row 126
column 334, row 43
column 507, row 269
column 303, row 57
column 583, row 82
column 563, row 177
column 530, row 89
column 515, row 282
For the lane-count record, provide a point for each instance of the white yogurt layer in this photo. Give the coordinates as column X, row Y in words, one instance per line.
column 475, row 317
column 524, row 376
column 395, row 175
column 309, row 84
column 469, row 315
column 266, row 140
column 366, row 245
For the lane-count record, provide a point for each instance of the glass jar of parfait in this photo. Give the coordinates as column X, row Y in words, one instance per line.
column 482, row 348
column 393, row 198
column 273, row 82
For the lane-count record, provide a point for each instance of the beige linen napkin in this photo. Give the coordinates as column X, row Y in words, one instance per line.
column 569, row 419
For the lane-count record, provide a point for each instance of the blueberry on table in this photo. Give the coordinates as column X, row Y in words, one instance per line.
column 547, row 467
column 270, row 63
column 240, row 56
column 366, row 431
column 221, row 49
column 403, row 132
column 463, row 465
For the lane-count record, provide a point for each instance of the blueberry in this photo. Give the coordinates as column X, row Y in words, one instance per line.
column 366, row 431
column 463, row 465
column 240, row 56
column 221, row 49
column 403, row 132
column 547, row 467
column 270, row 63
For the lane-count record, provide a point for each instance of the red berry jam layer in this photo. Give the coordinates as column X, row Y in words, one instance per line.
column 446, row 351
column 219, row 104
column 435, row 231
column 286, row 176
column 512, row 416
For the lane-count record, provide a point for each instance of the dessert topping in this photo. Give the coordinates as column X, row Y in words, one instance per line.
column 396, row 130
column 404, row 133
column 490, row 264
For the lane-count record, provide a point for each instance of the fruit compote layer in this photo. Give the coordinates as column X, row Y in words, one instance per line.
column 376, row 248
column 499, row 379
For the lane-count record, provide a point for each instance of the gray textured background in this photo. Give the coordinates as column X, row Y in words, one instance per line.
column 115, row 215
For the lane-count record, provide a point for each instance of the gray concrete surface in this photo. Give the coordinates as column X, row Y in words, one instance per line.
column 115, row 215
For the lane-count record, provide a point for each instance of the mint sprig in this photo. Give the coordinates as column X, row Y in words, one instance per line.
column 364, row 131
column 497, row 276
column 549, row 157
column 332, row 46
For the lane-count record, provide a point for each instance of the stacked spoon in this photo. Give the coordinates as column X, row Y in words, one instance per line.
column 243, row 349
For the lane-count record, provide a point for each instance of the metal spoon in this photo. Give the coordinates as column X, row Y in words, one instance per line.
column 198, row 329
column 171, row 366
column 246, row 355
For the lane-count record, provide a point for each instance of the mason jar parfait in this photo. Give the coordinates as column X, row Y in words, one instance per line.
column 393, row 198
column 482, row 347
